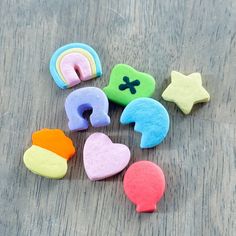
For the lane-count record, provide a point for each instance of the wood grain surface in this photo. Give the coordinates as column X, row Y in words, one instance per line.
column 198, row 156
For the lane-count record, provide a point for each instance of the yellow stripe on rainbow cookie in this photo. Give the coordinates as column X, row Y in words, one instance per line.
column 77, row 50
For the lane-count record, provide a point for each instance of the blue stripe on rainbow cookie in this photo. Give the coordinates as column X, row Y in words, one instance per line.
column 61, row 81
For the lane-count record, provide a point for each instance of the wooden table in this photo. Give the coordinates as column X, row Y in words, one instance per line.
column 199, row 154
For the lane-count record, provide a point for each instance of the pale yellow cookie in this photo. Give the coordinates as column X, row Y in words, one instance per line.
column 45, row 163
column 185, row 91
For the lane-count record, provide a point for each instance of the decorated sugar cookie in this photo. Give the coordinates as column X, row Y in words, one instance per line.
column 151, row 120
column 185, row 91
column 88, row 98
column 127, row 84
column 49, row 153
column 144, row 185
column 102, row 158
column 74, row 63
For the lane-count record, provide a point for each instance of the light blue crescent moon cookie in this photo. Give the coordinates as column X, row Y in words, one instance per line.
column 151, row 120
column 73, row 59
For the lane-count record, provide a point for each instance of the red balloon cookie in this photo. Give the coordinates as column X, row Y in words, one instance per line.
column 144, row 185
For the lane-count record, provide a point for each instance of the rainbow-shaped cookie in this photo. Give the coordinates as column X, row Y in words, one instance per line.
column 74, row 63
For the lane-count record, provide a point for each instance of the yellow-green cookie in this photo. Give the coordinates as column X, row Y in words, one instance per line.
column 185, row 91
column 127, row 84
column 45, row 163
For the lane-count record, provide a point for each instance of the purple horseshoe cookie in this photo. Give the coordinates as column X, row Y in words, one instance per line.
column 89, row 98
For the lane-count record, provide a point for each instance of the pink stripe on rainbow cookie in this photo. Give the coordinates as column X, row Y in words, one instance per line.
column 73, row 63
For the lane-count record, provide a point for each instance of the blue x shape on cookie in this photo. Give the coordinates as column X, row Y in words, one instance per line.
column 129, row 85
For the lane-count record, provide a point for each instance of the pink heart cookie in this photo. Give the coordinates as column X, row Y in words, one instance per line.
column 102, row 158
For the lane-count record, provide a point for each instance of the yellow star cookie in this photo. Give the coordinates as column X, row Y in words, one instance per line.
column 185, row 91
